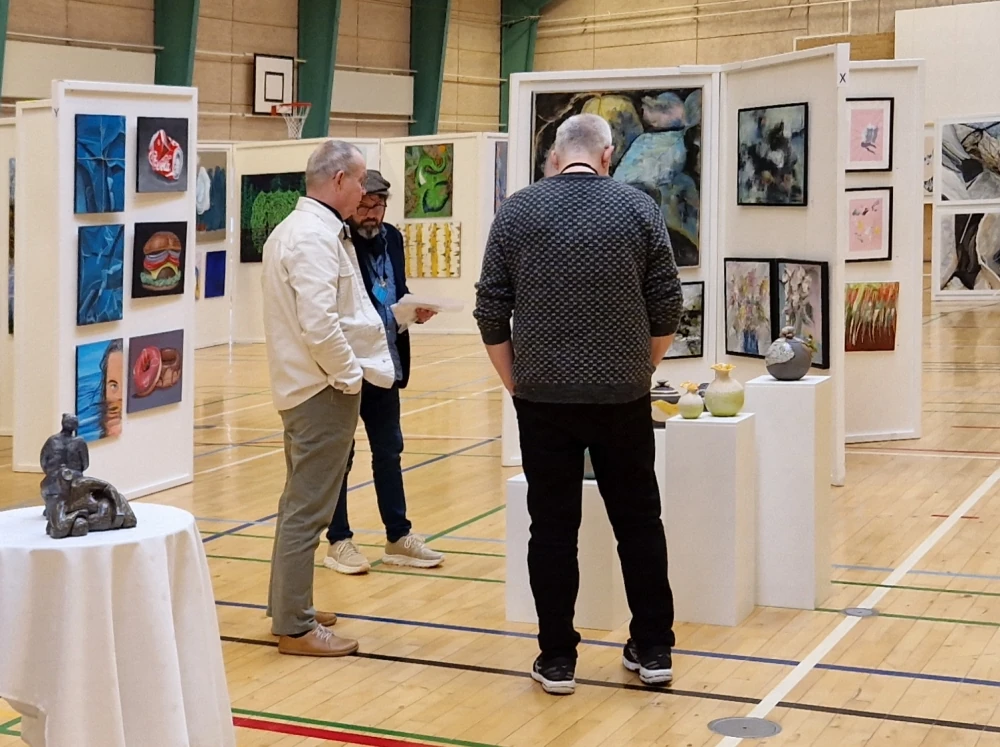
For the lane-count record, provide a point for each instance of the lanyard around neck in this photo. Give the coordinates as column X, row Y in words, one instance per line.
column 579, row 163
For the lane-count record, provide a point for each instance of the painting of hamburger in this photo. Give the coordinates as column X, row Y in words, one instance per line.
column 159, row 258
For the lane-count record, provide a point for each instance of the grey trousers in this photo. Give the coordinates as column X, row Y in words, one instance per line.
column 318, row 438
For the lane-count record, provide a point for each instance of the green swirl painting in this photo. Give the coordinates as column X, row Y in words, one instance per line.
column 265, row 201
column 429, row 181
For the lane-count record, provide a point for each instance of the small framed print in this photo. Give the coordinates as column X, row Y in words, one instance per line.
column 871, row 122
column 870, row 224
column 689, row 342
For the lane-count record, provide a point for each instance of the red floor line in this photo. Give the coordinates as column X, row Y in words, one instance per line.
column 329, row 735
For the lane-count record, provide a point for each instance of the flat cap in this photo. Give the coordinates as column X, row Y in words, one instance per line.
column 375, row 183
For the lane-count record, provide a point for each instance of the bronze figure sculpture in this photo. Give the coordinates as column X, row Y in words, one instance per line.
column 75, row 504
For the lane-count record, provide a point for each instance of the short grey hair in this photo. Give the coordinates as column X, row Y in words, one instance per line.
column 583, row 133
column 330, row 158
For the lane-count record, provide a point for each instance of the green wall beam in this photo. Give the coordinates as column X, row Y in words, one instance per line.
column 518, row 29
column 428, row 44
column 319, row 21
column 4, row 12
column 175, row 29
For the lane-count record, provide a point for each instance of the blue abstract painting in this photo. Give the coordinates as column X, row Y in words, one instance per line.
column 99, row 389
column 100, row 164
column 215, row 274
column 101, row 273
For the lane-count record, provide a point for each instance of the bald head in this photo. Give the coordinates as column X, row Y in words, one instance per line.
column 583, row 138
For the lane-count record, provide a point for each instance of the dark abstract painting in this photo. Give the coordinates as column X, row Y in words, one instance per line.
column 657, row 139
column 970, row 161
column 99, row 389
column 500, row 175
column 265, row 201
column 215, row 274
column 100, row 274
column 161, row 162
column 429, row 184
column 99, row 185
column 159, row 259
column 970, row 252
column 210, row 199
column 773, row 155
column 155, row 368
column 689, row 339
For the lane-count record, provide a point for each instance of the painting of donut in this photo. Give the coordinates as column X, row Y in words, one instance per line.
column 159, row 259
column 155, row 368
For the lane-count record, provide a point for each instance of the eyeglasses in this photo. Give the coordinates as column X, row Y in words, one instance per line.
column 365, row 209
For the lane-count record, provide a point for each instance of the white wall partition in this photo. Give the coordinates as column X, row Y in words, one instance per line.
column 274, row 157
column 883, row 389
column 815, row 232
column 155, row 450
column 8, row 148
column 213, row 316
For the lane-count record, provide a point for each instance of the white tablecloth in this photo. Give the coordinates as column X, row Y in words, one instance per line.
column 112, row 640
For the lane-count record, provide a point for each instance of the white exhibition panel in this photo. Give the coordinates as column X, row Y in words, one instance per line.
column 519, row 169
column 948, row 38
column 882, row 390
column 274, row 157
column 8, row 147
column 213, row 316
column 815, row 232
column 155, row 450
column 472, row 207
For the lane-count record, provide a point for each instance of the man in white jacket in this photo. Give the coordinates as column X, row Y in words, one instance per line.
column 323, row 338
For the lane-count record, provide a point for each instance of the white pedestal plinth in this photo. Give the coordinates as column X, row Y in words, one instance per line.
column 794, row 427
column 510, row 441
column 709, row 513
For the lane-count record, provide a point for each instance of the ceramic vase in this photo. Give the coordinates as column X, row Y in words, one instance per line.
column 724, row 396
column 788, row 358
column 690, row 405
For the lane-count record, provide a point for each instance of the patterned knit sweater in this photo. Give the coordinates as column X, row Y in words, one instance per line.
column 585, row 266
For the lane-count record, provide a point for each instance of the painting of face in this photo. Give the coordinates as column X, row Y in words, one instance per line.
column 162, row 158
column 870, row 224
column 773, row 144
column 970, row 161
column 871, row 122
column 429, row 184
column 748, row 307
column 99, row 389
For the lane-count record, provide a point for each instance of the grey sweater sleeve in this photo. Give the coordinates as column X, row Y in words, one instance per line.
column 662, row 286
column 495, row 289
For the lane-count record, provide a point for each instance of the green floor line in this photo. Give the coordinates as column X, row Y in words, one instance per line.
column 466, row 523
column 359, row 729
column 10, row 724
column 921, row 588
column 239, row 534
column 374, row 570
column 953, row 621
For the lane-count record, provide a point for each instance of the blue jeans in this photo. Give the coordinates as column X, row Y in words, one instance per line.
column 380, row 414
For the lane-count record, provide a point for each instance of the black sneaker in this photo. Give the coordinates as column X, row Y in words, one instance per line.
column 555, row 675
column 655, row 666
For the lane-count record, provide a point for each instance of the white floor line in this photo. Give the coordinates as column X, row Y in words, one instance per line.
column 793, row 678
column 923, row 454
column 449, row 401
column 478, row 354
column 4, row 466
column 239, row 409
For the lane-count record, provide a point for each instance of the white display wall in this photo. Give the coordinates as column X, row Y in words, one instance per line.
column 155, row 448
column 473, row 173
column 883, row 388
column 8, row 147
column 213, row 316
column 273, row 157
column 814, row 232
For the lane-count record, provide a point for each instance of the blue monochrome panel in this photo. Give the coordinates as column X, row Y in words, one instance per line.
column 100, row 164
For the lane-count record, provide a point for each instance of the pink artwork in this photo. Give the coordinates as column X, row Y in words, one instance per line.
column 870, row 216
column 867, row 135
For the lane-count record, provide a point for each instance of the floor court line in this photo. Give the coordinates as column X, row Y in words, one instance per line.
column 793, row 678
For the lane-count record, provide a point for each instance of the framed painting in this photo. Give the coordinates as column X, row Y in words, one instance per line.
column 100, row 274
column 155, row 370
column 870, row 224
column 928, row 165
column 159, row 259
column 429, row 183
column 748, row 306
column 265, row 201
column 657, row 139
column 210, row 196
column 969, row 252
column 500, row 174
column 803, row 303
column 11, row 176
column 970, row 162
column 215, row 274
column 773, row 155
column 870, row 125
column 100, row 389
column 99, row 171
column 870, row 311
column 432, row 250
column 689, row 342
column 161, row 163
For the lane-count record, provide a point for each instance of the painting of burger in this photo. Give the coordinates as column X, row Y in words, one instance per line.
column 158, row 259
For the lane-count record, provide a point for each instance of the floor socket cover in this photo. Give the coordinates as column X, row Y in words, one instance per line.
column 746, row 728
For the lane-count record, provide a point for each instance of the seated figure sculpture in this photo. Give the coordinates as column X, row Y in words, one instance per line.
column 75, row 504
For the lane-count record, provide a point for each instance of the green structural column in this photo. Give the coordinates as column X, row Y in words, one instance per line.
column 4, row 12
column 518, row 27
column 175, row 29
column 428, row 44
column 318, row 24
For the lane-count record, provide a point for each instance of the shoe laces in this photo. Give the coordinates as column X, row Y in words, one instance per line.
column 323, row 633
column 413, row 541
column 348, row 549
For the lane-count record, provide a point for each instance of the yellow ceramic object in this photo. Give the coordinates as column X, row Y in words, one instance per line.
column 724, row 396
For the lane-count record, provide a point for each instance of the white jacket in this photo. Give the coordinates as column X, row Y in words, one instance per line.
column 320, row 326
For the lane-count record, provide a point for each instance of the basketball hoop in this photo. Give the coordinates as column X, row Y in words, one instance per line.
column 295, row 115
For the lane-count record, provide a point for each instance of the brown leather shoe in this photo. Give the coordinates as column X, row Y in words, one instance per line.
column 326, row 619
column 320, row 641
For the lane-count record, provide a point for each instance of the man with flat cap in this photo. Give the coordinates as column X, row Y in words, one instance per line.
column 379, row 248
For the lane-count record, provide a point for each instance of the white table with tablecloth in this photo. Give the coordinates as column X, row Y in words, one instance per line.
column 112, row 640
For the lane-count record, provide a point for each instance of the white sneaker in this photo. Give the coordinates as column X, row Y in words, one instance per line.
column 411, row 551
column 345, row 557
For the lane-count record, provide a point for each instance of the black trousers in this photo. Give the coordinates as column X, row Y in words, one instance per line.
column 620, row 439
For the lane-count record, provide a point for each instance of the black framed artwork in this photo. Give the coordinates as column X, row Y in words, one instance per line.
column 869, row 213
column 749, row 330
column 689, row 341
column 802, row 302
column 773, row 156
column 870, row 123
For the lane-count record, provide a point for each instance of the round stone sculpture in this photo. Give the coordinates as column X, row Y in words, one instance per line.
column 724, row 396
column 788, row 358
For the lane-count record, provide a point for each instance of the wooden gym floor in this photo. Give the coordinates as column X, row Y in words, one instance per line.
column 916, row 533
